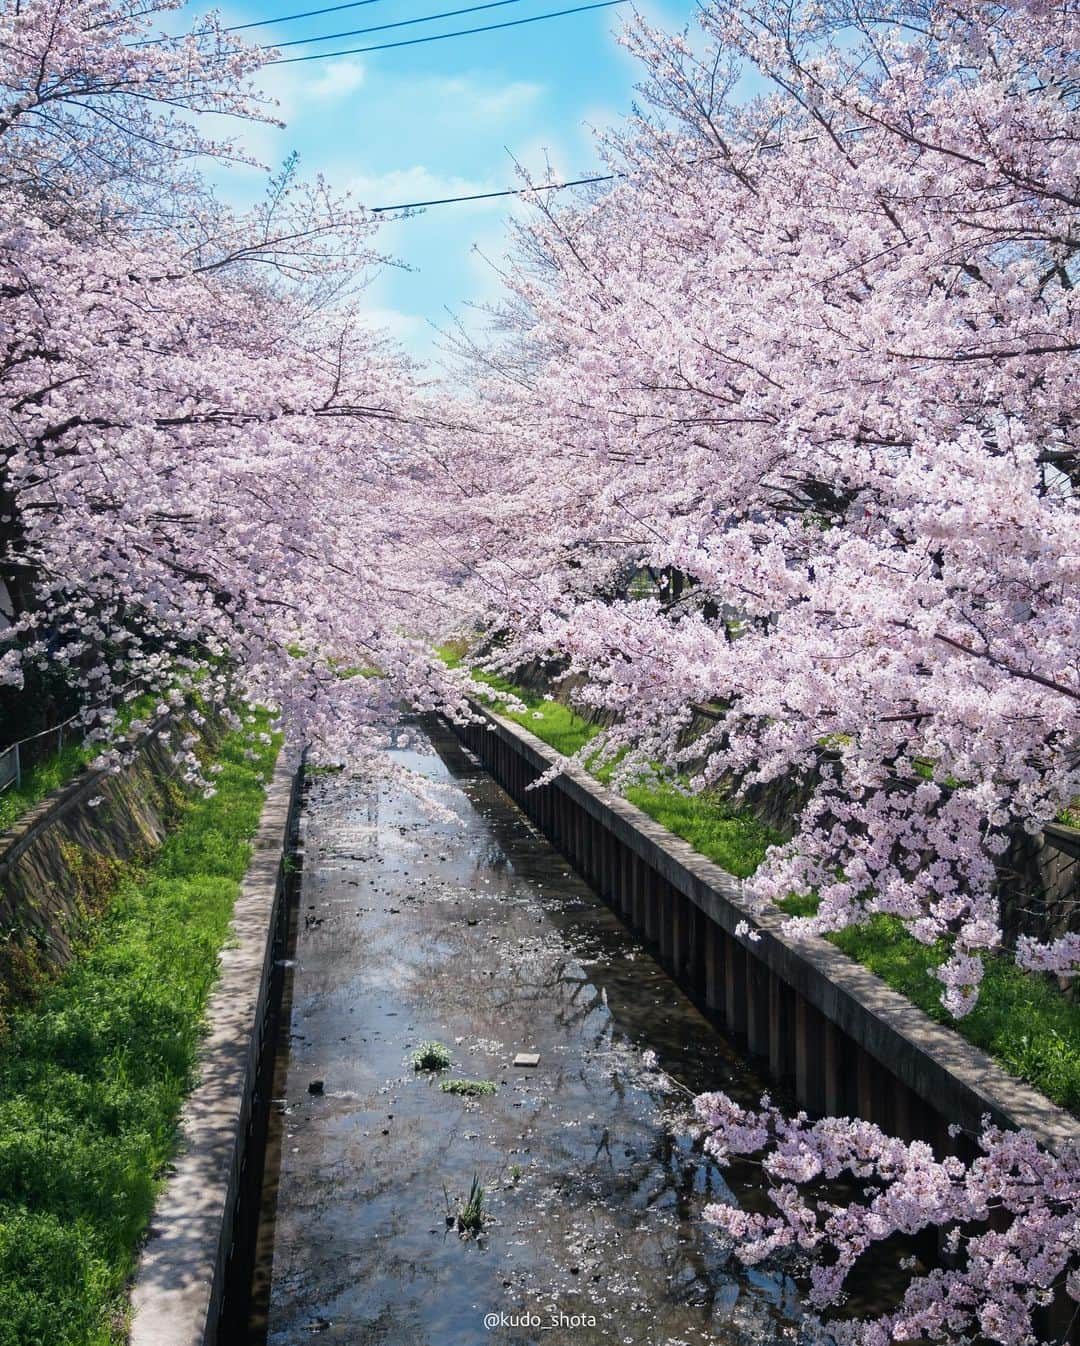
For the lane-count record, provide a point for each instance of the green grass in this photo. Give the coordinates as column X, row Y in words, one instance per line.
column 559, row 726
column 729, row 836
column 41, row 780
column 92, row 1076
column 1022, row 1019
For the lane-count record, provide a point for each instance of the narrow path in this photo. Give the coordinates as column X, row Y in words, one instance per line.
column 474, row 932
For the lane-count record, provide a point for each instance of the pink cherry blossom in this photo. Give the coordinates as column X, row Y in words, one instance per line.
column 1000, row 1277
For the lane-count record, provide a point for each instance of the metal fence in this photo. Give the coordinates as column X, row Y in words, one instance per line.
column 17, row 757
column 14, row 760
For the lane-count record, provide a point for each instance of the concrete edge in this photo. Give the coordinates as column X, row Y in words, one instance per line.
column 178, row 1284
column 938, row 1064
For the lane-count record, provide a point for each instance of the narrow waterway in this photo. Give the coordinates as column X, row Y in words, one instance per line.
column 473, row 931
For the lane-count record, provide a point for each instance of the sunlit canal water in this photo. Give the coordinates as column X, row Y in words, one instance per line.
column 476, row 933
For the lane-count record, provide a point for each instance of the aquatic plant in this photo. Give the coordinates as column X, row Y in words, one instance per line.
column 471, row 1215
column 468, row 1088
column 431, row 1056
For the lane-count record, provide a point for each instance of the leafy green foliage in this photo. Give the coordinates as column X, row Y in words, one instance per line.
column 93, row 1075
column 56, row 770
column 41, row 780
column 468, row 1088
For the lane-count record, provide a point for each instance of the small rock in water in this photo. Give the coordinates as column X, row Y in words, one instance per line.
column 316, row 1086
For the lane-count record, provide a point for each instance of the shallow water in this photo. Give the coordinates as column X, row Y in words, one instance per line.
column 475, row 932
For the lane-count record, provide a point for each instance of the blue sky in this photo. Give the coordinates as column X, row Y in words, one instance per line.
column 441, row 119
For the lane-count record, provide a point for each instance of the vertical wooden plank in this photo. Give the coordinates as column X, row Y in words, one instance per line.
column 695, row 961
column 809, row 1056
column 677, row 907
column 638, row 872
column 757, row 1008
column 781, row 1056
column 903, row 1113
column 833, row 1070
column 714, row 968
column 624, row 885
column 866, row 1086
column 735, row 987
column 652, row 906
column 665, row 899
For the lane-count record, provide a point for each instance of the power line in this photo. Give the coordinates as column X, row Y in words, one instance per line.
column 487, row 196
column 257, row 23
column 291, row 18
column 600, row 177
column 400, row 23
column 440, row 37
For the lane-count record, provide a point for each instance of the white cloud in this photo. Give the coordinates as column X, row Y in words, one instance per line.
column 470, row 99
column 337, row 79
column 408, row 328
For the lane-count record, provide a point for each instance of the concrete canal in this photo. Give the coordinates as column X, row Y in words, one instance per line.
column 473, row 931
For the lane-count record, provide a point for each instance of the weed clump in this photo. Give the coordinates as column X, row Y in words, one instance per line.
column 431, row 1056
column 468, row 1088
column 470, row 1216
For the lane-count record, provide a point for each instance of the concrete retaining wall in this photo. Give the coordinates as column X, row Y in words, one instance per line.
column 825, row 1028
column 180, row 1282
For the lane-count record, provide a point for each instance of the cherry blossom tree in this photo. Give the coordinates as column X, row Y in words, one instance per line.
column 812, row 358
column 998, row 1284
column 206, row 457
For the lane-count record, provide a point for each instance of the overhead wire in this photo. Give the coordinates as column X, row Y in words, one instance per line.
column 399, row 23
column 336, row 9
column 490, row 4
column 488, row 196
column 256, row 23
column 442, row 37
column 291, row 18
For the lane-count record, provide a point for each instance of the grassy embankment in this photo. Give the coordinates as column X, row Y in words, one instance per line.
column 92, row 1076
column 1022, row 1019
